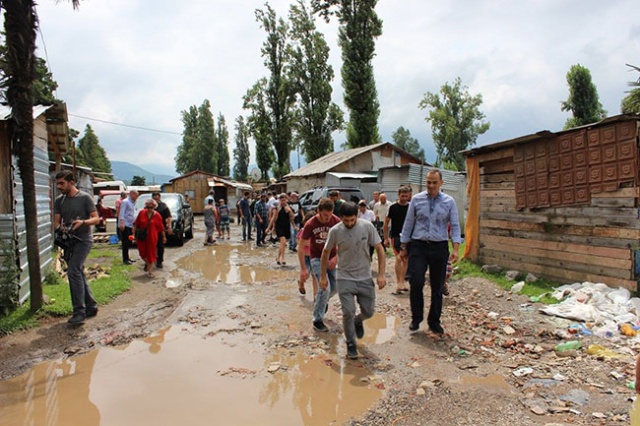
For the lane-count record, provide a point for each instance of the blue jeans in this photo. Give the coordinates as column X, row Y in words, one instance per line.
column 246, row 227
column 323, row 296
column 293, row 241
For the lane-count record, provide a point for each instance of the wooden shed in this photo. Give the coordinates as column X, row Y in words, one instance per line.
column 559, row 205
column 195, row 184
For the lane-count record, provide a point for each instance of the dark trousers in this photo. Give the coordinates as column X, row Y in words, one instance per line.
column 81, row 295
column 260, row 231
column 423, row 255
column 160, row 250
column 126, row 243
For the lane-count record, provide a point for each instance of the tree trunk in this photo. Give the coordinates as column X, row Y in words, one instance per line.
column 20, row 29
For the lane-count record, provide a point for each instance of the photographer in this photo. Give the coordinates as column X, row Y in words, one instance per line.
column 74, row 215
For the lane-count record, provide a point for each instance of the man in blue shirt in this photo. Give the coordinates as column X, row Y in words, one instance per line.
column 125, row 222
column 426, row 227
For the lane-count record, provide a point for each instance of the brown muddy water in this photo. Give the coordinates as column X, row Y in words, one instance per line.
column 218, row 373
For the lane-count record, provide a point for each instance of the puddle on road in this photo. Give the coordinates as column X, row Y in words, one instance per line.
column 380, row 328
column 174, row 377
column 224, row 263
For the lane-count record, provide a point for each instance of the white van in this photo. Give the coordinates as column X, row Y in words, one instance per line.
column 111, row 185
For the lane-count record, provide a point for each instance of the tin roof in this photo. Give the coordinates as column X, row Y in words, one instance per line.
column 56, row 119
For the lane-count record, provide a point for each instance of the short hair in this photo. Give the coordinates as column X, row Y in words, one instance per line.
column 404, row 189
column 66, row 175
column 246, row 193
column 123, row 194
column 283, row 195
column 153, row 194
column 325, row 204
column 435, row 171
column 348, row 208
column 209, row 200
column 134, row 191
column 334, row 193
column 152, row 202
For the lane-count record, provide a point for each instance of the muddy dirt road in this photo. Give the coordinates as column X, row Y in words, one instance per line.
column 222, row 337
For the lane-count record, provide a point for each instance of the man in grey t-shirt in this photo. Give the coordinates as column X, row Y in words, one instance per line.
column 353, row 237
column 75, row 214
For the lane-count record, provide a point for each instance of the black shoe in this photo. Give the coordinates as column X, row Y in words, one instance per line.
column 319, row 325
column 352, row 351
column 128, row 262
column 76, row 319
column 359, row 329
column 414, row 326
column 436, row 328
column 90, row 313
column 250, row 239
column 293, row 250
column 159, row 265
column 258, row 245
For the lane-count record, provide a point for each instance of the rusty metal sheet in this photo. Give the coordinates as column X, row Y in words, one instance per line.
column 627, row 170
column 609, row 172
column 581, row 176
column 553, row 147
column 582, row 194
column 554, row 180
column 554, row 164
column 595, row 155
column 555, row 197
column 529, row 152
column 568, row 196
column 566, row 162
column 595, row 174
column 627, row 150
column 565, row 144
column 609, row 153
column 518, row 154
column 627, row 130
column 579, row 141
column 593, row 137
column 566, row 179
column 608, row 134
column 543, row 199
column 542, row 181
column 580, row 158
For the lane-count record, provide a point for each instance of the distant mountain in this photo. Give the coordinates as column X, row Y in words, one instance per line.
column 126, row 171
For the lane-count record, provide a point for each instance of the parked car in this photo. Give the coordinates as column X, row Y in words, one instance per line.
column 309, row 199
column 181, row 215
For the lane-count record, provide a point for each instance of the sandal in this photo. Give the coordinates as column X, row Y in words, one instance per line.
column 301, row 288
column 150, row 275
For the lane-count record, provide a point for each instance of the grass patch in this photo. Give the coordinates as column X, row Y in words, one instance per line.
column 104, row 290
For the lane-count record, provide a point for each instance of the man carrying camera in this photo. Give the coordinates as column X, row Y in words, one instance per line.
column 74, row 216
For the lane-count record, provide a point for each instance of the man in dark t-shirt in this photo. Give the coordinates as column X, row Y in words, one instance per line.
column 74, row 216
column 164, row 211
column 296, row 207
column 396, row 216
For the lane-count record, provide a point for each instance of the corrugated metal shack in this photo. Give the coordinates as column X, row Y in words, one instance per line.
column 415, row 175
column 50, row 135
column 560, row 205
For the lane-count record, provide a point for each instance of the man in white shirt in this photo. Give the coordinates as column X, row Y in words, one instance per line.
column 380, row 210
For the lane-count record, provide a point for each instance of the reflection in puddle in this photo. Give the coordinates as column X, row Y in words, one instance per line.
column 634, row 413
column 173, row 377
column 380, row 328
column 224, row 263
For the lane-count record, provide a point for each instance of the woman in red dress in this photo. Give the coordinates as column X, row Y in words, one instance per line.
column 150, row 220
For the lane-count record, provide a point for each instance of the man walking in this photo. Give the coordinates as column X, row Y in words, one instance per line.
column 426, row 227
column 395, row 217
column 245, row 216
column 353, row 237
column 125, row 221
column 261, row 215
column 314, row 234
column 164, row 211
column 380, row 210
column 75, row 214
column 296, row 207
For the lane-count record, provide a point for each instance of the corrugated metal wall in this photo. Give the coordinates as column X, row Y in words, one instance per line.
column 43, row 200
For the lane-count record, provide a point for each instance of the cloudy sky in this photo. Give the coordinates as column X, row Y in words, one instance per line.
column 140, row 63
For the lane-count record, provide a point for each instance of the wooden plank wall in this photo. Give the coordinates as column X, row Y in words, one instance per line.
column 594, row 243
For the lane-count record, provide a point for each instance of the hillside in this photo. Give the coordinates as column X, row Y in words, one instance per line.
column 125, row 171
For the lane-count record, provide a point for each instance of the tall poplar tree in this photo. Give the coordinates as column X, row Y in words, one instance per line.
column 583, row 101
column 198, row 150
column 241, row 155
column 311, row 76
column 90, row 153
column 402, row 139
column 259, row 126
column 359, row 27
column 222, row 137
column 456, row 122
column 279, row 93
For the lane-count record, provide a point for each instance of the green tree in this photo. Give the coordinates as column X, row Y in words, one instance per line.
column 316, row 116
column 279, row 93
column 631, row 103
column 583, row 101
column 138, row 180
column 456, row 121
column 359, row 27
column 259, row 126
column 198, row 150
column 222, row 137
column 90, row 153
column 403, row 140
column 241, row 152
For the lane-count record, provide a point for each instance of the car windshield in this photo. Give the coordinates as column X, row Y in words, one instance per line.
column 139, row 205
column 173, row 202
column 109, row 201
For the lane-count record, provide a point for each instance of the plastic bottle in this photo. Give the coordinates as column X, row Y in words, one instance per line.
column 627, row 330
column 571, row 345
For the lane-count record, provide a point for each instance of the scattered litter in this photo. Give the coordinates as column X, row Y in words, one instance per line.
column 523, row 371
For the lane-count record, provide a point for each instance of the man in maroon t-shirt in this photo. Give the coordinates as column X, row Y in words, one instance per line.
column 315, row 233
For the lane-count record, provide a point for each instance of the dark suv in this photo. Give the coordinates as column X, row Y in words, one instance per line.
column 309, row 199
column 181, row 215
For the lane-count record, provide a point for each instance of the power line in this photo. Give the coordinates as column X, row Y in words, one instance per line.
column 126, row 125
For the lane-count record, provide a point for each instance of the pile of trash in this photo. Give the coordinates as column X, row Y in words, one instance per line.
column 606, row 311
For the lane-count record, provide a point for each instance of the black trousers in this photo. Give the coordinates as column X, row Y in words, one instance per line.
column 160, row 250
column 423, row 255
column 126, row 243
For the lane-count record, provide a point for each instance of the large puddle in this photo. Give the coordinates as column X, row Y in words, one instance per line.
column 177, row 377
column 226, row 264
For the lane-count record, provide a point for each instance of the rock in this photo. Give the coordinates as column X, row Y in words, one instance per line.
column 530, row 278
column 576, row 396
column 599, row 415
column 420, row 391
column 491, row 269
column 512, row 275
column 273, row 367
column 493, row 315
column 426, row 384
column 416, row 364
column 508, row 330
column 517, row 287
column 255, row 324
column 523, row 371
column 536, row 409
